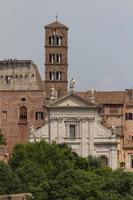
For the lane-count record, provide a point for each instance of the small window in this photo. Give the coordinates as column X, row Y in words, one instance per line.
column 23, row 113
column 113, row 110
column 8, row 79
column 129, row 116
column 23, row 99
column 4, row 115
column 16, row 76
column 39, row 116
column 72, row 130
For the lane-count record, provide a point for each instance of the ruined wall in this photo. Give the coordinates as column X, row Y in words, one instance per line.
column 19, row 75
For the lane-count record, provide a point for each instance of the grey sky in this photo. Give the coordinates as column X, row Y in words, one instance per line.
column 100, row 37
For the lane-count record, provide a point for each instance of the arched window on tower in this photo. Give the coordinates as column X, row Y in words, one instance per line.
column 50, row 75
column 54, row 36
column 60, row 76
column 23, row 113
column 52, row 58
column 55, row 39
column 57, row 75
column 54, row 75
column 58, row 58
column 60, row 40
column 50, row 42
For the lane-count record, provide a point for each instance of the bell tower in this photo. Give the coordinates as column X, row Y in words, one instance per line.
column 56, row 56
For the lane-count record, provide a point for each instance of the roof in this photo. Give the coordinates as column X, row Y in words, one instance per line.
column 105, row 97
column 56, row 24
column 110, row 97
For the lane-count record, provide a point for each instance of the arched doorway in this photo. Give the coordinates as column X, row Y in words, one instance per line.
column 104, row 160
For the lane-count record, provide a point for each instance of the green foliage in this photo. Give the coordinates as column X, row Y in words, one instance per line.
column 52, row 171
column 9, row 181
column 2, row 139
column 94, row 162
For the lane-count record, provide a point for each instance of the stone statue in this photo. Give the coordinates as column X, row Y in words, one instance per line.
column 92, row 97
column 52, row 93
column 72, row 84
column 32, row 129
column 113, row 129
column 32, row 132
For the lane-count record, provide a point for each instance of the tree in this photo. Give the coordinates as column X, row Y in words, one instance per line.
column 52, row 171
column 9, row 181
column 2, row 139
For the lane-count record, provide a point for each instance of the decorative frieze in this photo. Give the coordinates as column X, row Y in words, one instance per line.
column 87, row 119
column 56, row 119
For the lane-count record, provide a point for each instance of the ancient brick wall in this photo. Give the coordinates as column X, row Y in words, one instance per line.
column 13, row 126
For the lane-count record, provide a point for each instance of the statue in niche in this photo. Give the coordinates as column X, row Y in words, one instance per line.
column 52, row 94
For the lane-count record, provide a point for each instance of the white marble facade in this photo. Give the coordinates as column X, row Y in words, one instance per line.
column 75, row 121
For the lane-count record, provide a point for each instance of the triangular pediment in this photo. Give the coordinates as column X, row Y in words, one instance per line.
column 72, row 100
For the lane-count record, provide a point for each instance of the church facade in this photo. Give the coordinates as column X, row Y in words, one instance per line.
column 74, row 121
column 25, row 98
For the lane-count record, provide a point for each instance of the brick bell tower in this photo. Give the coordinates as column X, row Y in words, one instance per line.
column 56, row 56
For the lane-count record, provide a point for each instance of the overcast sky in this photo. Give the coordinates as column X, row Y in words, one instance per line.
column 100, row 38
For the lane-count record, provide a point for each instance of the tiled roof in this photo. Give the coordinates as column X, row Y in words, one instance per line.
column 106, row 97
column 110, row 97
column 56, row 24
